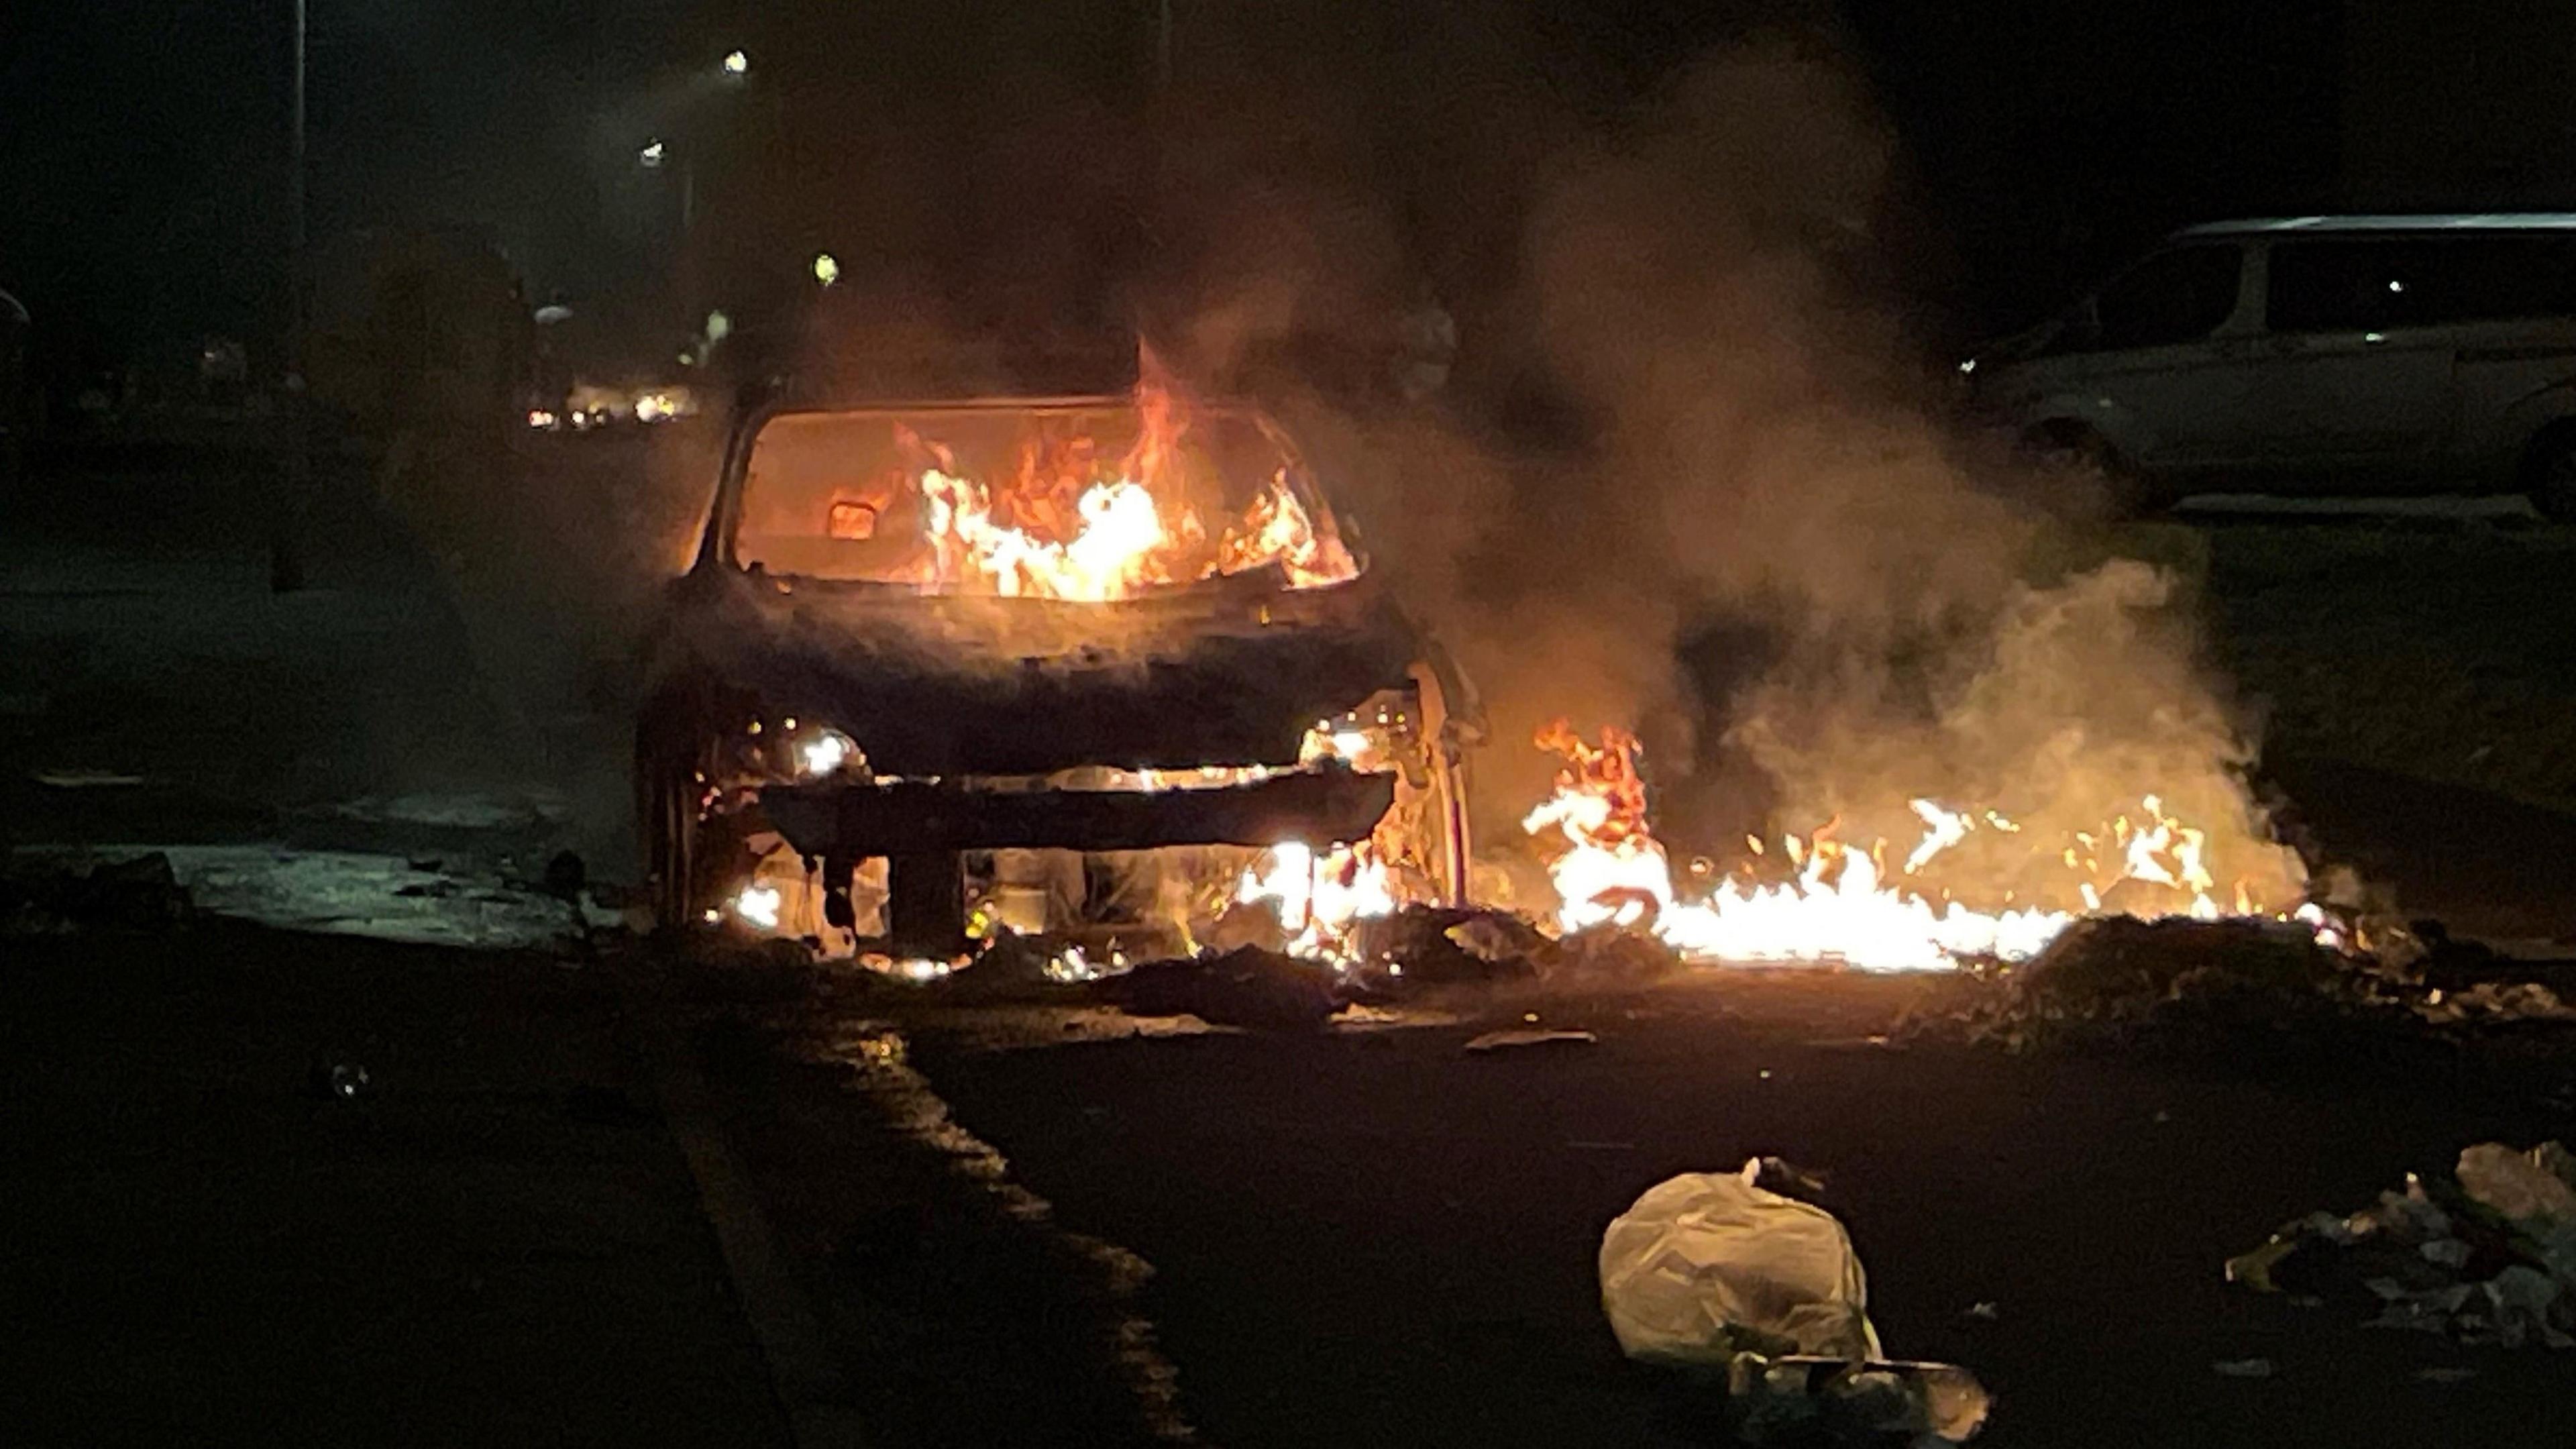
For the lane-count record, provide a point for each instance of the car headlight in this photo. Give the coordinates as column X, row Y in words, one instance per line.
column 825, row 754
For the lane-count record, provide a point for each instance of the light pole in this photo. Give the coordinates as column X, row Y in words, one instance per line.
column 733, row 72
column 285, row 553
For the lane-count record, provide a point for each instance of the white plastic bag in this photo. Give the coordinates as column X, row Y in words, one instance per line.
column 1707, row 1264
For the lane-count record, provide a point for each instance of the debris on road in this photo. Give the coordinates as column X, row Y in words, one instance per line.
column 2117, row 980
column 1419, row 947
column 1495, row 938
column 1710, row 1271
column 1802, row 1400
column 2486, row 1254
column 1707, row 1265
column 78, row 779
column 1608, row 954
column 1248, row 987
column 1780, row 1175
column 141, row 893
column 1530, row 1036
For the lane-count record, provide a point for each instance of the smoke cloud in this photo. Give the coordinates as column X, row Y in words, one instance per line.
column 1691, row 475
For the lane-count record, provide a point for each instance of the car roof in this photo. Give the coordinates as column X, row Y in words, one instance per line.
column 2431, row 222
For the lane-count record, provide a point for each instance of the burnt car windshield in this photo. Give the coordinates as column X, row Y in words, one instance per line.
column 1089, row 502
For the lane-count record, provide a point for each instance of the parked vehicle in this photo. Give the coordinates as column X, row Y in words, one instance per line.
column 934, row 656
column 2315, row 355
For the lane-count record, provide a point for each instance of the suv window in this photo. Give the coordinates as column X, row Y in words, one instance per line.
column 2514, row 276
column 2175, row 296
column 2351, row 286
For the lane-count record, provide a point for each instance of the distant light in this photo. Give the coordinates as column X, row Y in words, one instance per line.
column 2395, row 285
column 2374, row 337
column 651, row 155
column 1968, row 364
column 826, row 270
column 736, row 63
column 541, row 418
column 719, row 326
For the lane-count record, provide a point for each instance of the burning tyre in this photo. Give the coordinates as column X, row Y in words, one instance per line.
column 1103, row 668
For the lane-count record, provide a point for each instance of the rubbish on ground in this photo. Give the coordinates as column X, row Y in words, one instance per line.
column 1985, row 1311
column 2492, row 1001
column 136, row 894
column 565, row 876
column 1247, row 986
column 2485, row 1254
column 2521, row 1185
column 2243, row 1368
column 1787, row 1178
column 1533, row 1036
column 1707, row 1265
column 1425, row 946
column 1799, row 1399
column 1491, row 938
column 338, row 1079
column 85, row 779
column 2117, row 978
column 1713, row 1271
column 1607, row 953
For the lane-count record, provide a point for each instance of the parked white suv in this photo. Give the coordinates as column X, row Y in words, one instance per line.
column 2316, row 355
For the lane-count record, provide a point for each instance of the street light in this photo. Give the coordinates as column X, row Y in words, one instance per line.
column 736, row 64
column 827, row 270
column 651, row 155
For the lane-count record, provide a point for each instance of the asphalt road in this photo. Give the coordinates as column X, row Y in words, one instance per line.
column 1373, row 1237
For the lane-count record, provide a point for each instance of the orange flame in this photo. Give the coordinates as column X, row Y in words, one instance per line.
column 1612, row 871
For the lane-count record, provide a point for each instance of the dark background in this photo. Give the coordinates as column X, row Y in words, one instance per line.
column 143, row 142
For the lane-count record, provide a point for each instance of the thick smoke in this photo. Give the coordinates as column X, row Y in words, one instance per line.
column 1708, row 489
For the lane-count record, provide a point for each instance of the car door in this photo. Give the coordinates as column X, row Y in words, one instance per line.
column 2146, row 363
column 2352, row 374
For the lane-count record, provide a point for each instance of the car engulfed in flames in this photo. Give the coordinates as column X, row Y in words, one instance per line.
column 1102, row 670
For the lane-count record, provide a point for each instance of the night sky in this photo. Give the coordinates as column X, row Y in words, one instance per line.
column 142, row 142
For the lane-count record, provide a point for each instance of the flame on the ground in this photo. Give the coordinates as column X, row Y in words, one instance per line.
column 1841, row 903
column 1320, row 898
column 1071, row 525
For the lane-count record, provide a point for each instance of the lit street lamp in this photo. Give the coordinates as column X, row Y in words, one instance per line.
column 736, row 65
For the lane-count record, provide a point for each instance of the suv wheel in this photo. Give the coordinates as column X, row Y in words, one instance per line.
column 2071, row 448
column 2549, row 475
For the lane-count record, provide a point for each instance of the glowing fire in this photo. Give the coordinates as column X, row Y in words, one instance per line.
column 1839, row 903
column 1068, row 524
column 1320, row 899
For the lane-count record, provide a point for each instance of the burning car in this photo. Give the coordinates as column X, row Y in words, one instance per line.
column 1075, row 666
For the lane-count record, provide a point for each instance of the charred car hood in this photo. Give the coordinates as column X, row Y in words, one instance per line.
column 1231, row 672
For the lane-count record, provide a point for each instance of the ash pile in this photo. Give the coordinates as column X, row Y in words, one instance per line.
column 2178, row 985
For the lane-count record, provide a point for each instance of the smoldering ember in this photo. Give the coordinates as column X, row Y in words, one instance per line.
column 1786, row 724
